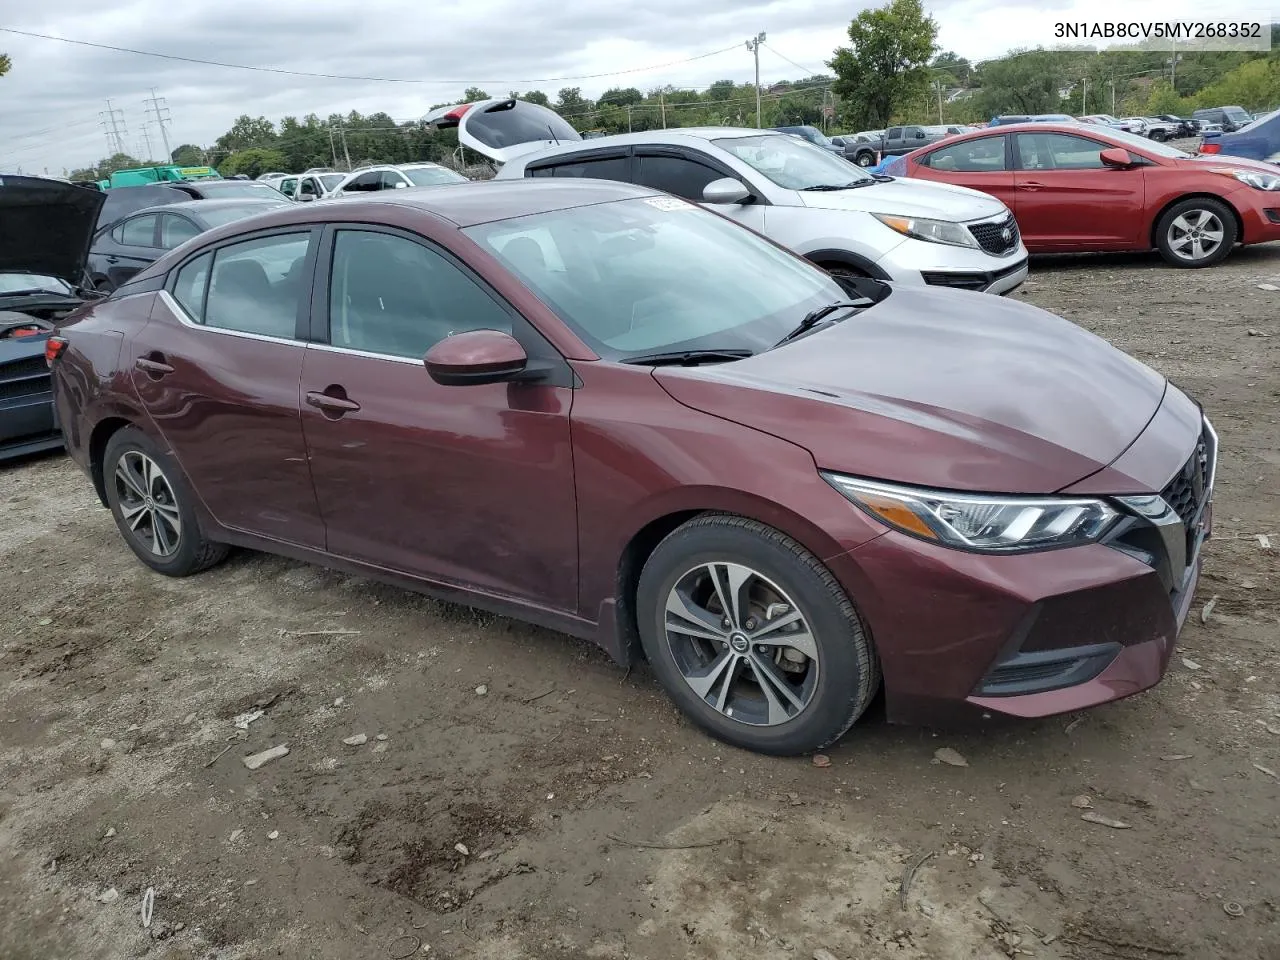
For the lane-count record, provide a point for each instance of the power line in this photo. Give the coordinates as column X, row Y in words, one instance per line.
column 339, row 76
column 799, row 66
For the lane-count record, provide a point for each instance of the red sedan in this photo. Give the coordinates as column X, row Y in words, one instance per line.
column 1074, row 188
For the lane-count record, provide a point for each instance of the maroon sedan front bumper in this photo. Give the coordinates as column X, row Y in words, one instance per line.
column 964, row 634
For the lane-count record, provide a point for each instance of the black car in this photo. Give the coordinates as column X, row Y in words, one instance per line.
column 129, row 245
column 1230, row 119
column 122, row 201
column 1187, row 127
column 47, row 229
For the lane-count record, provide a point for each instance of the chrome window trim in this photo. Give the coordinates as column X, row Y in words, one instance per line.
column 330, row 348
column 186, row 320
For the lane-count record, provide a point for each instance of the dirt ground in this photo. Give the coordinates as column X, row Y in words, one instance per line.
column 531, row 801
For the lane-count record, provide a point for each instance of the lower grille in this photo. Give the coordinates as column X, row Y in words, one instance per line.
column 963, row 281
column 996, row 238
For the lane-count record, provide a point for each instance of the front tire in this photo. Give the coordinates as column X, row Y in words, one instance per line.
column 1197, row 232
column 753, row 638
column 865, row 159
column 151, row 502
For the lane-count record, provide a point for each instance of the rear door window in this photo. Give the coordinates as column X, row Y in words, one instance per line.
column 256, row 285
column 599, row 168
column 190, row 285
column 895, row 133
column 137, row 231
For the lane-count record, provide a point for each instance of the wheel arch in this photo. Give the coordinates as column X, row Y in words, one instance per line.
column 639, row 546
column 103, row 431
column 1200, row 195
column 831, row 256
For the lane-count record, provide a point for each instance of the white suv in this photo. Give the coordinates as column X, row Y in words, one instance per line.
column 396, row 176
column 806, row 198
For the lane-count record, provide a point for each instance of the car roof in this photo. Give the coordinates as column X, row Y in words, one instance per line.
column 196, row 206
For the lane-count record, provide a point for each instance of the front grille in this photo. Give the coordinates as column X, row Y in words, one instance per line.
column 1190, row 489
column 999, row 237
column 24, row 378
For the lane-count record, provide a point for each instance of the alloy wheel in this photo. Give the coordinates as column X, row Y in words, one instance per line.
column 1195, row 235
column 148, row 506
column 741, row 643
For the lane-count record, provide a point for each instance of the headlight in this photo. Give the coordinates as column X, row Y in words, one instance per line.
column 987, row 524
column 1254, row 178
column 934, row 231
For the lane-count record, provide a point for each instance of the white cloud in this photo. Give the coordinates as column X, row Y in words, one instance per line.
column 496, row 44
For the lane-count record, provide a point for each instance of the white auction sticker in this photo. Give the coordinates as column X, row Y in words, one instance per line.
column 668, row 203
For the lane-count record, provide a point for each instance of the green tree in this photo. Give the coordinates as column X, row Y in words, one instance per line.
column 885, row 65
column 473, row 95
column 571, row 101
column 953, row 65
column 1024, row 82
column 621, row 97
column 538, row 97
column 247, row 132
column 254, row 161
column 5, row 64
column 1162, row 98
column 1254, row 85
column 187, row 155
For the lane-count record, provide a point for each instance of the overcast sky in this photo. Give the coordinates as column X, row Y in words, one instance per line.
column 51, row 100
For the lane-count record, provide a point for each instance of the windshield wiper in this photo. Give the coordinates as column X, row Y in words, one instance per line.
column 815, row 317
column 851, row 185
column 689, row 358
column 33, row 291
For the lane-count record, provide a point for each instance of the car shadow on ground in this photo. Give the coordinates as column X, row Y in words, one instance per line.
column 1263, row 255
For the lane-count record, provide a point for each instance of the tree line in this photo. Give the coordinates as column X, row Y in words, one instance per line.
column 891, row 71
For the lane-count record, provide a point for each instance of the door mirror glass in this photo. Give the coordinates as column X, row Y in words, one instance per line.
column 726, row 190
column 1116, row 157
column 919, row 134
column 475, row 357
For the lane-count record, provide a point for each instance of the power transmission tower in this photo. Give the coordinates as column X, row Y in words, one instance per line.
column 754, row 46
column 146, row 143
column 113, row 123
column 158, row 108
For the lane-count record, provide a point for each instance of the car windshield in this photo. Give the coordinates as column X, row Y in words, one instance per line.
column 238, row 188
column 231, row 212
column 1235, row 114
column 1139, row 142
column 793, row 163
column 331, row 180
column 431, row 176
column 1260, row 121
column 15, row 282
column 657, row 274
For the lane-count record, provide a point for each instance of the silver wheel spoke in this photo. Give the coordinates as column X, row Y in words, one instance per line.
column 771, row 684
column 149, row 475
column 125, row 475
column 158, row 544
column 133, row 514
column 1182, row 224
column 801, row 640
column 1197, row 248
column 691, row 620
column 703, row 683
column 170, row 513
column 729, row 580
column 1214, row 235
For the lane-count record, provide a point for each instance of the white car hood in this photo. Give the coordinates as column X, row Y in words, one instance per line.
column 908, row 198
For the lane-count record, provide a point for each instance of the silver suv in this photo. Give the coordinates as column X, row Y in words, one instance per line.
column 818, row 204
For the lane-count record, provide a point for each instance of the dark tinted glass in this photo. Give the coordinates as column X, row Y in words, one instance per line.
column 139, row 232
column 611, row 168
column 684, row 178
column 524, row 123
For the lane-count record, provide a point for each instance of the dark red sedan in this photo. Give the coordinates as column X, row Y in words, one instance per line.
column 622, row 416
column 1075, row 188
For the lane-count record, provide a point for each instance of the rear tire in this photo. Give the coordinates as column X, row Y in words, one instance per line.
column 1196, row 232
column 865, row 159
column 103, row 285
column 786, row 689
column 152, row 504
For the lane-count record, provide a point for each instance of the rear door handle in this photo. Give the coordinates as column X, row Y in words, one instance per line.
column 156, row 367
column 325, row 401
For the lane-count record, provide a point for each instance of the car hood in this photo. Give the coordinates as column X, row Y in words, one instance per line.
column 909, row 198
column 48, row 226
column 940, row 388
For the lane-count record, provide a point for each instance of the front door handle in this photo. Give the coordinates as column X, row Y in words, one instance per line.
column 155, row 367
column 1030, row 185
column 333, row 402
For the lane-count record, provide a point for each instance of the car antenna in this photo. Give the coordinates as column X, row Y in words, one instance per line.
column 553, row 135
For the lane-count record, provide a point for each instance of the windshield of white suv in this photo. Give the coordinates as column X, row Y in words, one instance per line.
column 794, row 163
column 658, row 274
column 331, row 180
column 432, row 176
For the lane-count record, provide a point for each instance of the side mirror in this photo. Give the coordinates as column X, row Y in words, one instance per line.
column 726, row 190
column 1116, row 157
column 400, row 184
column 919, row 134
column 304, row 197
column 475, row 357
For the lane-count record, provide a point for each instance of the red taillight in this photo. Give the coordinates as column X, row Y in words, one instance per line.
column 457, row 112
column 1210, row 148
column 53, row 348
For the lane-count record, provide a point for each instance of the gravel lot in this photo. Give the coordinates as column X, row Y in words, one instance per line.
column 531, row 801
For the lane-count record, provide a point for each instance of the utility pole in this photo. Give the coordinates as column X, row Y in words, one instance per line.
column 342, row 133
column 1113, row 97
column 628, row 118
column 754, row 46
column 333, row 150
column 662, row 103
column 158, row 108
column 114, row 124
column 1084, row 96
column 940, row 120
